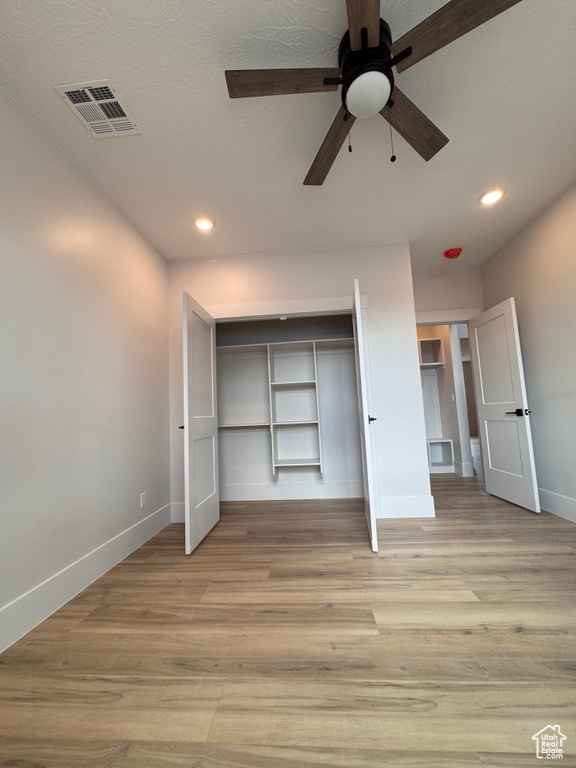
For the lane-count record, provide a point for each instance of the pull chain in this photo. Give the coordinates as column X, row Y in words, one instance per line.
column 393, row 158
column 350, row 140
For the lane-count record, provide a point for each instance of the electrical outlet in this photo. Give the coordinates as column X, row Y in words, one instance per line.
column 142, row 500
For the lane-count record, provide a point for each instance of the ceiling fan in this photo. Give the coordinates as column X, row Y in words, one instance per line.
column 366, row 57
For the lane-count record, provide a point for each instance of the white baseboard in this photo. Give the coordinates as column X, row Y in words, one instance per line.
column 464, row 468
column 290, row 491
column 24, row 613
column 406, row 506
column 563, row 506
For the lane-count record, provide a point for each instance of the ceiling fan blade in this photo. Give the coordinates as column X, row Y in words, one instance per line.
column 413, row 125
column 331, row 145
column 450, row 22
column 363, row 14
column 273, row 82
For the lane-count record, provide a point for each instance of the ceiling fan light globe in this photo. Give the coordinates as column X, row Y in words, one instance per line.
column 367, row 94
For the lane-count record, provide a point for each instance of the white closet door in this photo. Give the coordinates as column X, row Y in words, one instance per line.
column 364, row 419
column 202, row 498
column 503, row 415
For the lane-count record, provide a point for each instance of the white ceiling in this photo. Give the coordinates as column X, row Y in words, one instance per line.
column 505, row 95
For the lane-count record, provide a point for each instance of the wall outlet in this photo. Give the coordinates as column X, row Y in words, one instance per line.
column 142, row 500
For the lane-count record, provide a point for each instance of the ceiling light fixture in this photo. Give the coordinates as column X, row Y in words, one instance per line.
column 204, row 224
column 368, row 93
column 367, row 79
column 492, row 197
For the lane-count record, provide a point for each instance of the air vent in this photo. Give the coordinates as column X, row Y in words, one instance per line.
column 99, row 108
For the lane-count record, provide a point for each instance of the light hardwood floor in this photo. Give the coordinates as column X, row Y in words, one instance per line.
column 284, row 642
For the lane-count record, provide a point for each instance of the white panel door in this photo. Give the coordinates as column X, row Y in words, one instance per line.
column 201, row 491
column 364, row 420
column 503, row 415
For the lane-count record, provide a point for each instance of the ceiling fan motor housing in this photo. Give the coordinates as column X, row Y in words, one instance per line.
column 353, row 64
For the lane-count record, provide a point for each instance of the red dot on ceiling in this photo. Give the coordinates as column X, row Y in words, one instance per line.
column 453, row 253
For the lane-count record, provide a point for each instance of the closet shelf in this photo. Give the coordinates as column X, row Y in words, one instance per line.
column 307, row 383
column 245, row 425
column 301, row 422
column 297, row 463
column 431, row 365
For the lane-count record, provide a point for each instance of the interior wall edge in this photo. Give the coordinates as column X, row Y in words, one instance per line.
column 465, row 469
column 25, row 612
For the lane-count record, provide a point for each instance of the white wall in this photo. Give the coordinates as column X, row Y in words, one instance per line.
column 262, row 283
column 83, row 380
column 538, row 268
column 447, row 295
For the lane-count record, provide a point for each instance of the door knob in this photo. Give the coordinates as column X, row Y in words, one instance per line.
column 371, row 419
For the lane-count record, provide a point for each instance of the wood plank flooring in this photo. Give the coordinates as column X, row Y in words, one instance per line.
column 284, row 642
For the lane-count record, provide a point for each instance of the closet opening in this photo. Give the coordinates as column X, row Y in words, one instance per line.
column 449, row 399
column 275, row 408
column 288, row 425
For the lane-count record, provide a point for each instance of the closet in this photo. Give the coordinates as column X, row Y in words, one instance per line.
column 288, row 409
column 274, row 409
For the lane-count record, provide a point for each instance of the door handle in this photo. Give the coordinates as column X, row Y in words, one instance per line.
column 519, row 412
column 182, row 427
column 371, row 419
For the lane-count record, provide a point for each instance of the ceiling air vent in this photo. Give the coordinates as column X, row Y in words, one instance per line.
column 99, row 107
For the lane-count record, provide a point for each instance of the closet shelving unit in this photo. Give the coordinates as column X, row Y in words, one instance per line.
column 440, row 455
column 431, row 353
column 274, row 387
column 287, row 408
column 295, row 426
column 440, row 449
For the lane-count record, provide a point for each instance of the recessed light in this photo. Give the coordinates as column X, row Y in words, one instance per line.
column 204, row 224
column 492, row 197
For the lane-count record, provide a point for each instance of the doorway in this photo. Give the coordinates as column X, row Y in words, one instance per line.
column 448, row 398
column 266, row 379
column 503, row 415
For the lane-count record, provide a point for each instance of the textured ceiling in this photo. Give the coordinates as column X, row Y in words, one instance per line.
column 505, row 95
